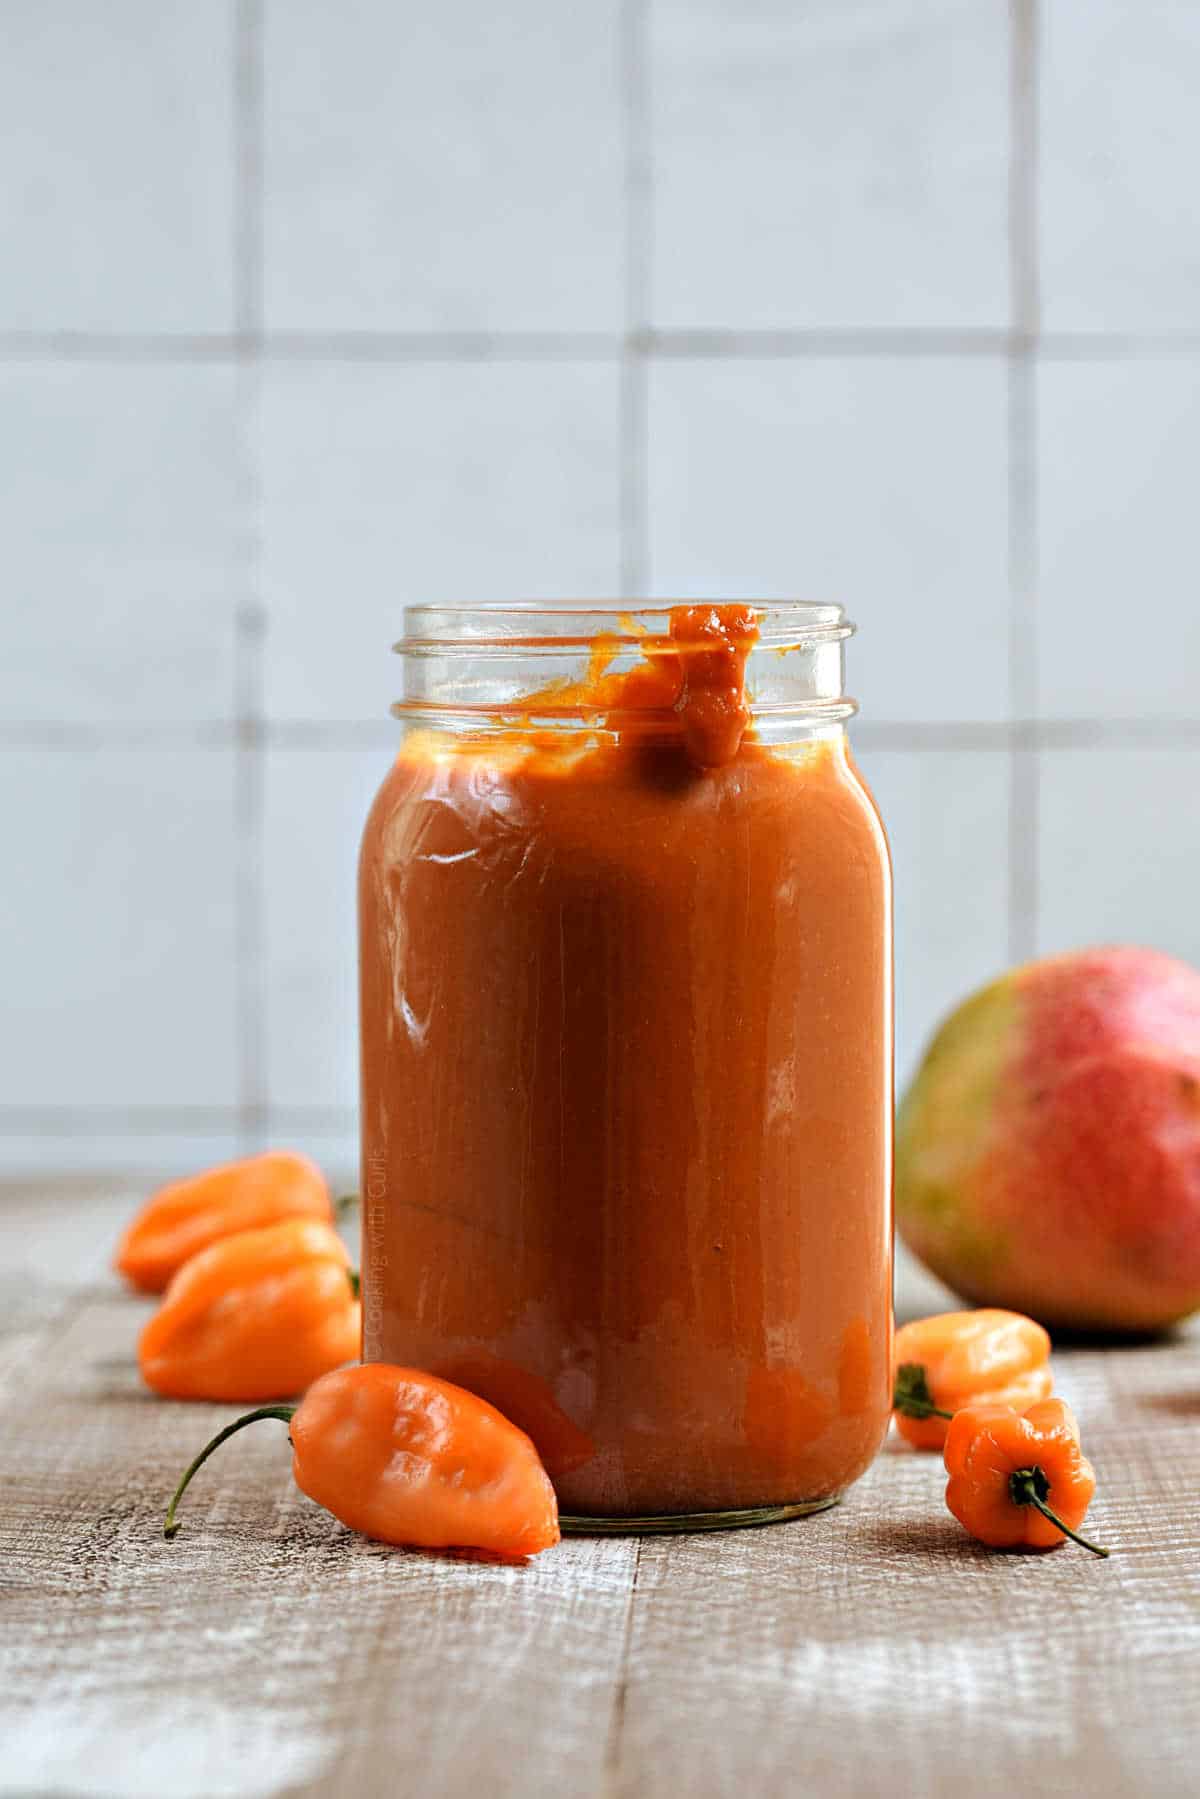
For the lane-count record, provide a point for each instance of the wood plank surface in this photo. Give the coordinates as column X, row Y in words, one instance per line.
column 874, row 1649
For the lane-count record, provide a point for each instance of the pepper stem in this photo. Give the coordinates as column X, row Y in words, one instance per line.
column 912, row 1396
column 1029, row 1486
column 285, row 1413
column 355, row 1279
column 345, row 1202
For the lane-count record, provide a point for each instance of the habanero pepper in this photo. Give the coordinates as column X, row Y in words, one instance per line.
column 958, row 1359
column 1019, row 1480
column 188, row 1215
column 406, row 1458
column 255, row 1316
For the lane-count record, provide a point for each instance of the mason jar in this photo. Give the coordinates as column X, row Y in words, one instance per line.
column 626, row 1007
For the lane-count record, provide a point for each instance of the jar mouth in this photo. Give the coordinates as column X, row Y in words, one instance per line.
column 559, row 665
column 549, row 628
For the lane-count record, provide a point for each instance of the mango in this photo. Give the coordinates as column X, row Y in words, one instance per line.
column 1048, row 1148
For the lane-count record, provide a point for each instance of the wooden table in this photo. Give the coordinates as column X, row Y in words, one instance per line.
column 871, row 1650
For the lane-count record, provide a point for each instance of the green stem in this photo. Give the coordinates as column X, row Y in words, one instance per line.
column 1029, row 1486
column 285, row 1413
column 345, row 1202
column 911, row 1394
column 355, row 1279
column 915, row 1408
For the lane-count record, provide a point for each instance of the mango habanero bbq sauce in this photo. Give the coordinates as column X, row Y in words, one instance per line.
column 626, row 1052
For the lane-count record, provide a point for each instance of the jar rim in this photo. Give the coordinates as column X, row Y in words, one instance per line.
column 551, row 665
column 500, row 627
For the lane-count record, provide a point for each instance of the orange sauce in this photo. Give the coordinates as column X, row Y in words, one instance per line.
column 626, row 1083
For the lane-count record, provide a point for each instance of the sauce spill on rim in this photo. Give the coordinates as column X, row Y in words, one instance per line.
column 626, row 1081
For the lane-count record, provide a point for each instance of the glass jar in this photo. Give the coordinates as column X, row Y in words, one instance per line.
column 626, row 1001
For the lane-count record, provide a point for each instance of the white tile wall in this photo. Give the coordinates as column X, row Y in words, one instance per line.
column 876, row 481
column 675, row 296
column 117, row 166
column 120, row 531
column 1118, row 623
column 444, row 168
column 1119, row 150
column 1119, row 849
column 947, row 823
column 454, row 481
column 316, row 804
column 153, row 1147
column 834, row 164
column 119, row 930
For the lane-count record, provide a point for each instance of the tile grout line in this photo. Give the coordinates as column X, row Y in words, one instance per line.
column 717, row 344
column 632, row 429
column 1023, row 178
column 248, row 175
column 1023, row 797
column 631, row 450
column 250, row 985
column 1026, row 734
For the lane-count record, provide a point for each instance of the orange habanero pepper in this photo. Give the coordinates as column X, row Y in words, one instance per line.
column 256, row 1316
column 966, row 1358
column 188, row 1215
column 1006, row 1467
column 406, row 1458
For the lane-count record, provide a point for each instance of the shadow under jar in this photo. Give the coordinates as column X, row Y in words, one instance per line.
column 626, row 1003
